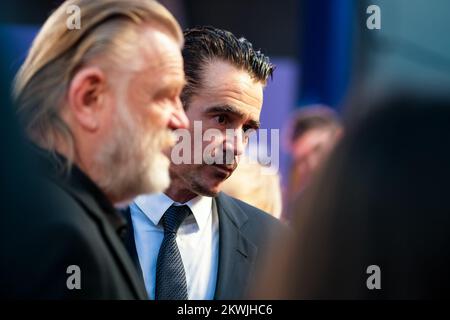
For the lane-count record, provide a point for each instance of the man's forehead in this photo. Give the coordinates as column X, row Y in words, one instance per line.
column 228, row 85
column 157, row 47
column 159, row 66
column 226, row 103
column 313, row 137
column 156, row 32
column 224, row 72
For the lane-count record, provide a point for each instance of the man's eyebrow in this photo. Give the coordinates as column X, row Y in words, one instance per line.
column 176, row 83
column 234, row 111
column 225, row 109
column 167, row 83
column 254, row 124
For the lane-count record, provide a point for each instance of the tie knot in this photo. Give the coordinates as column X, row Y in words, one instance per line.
column 174, row 217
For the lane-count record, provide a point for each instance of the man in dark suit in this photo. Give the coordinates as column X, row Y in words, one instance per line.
column 80, row 97
column 192, row 241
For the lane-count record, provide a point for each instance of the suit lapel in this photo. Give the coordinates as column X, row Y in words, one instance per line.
column 117, row 247
column 236, row 253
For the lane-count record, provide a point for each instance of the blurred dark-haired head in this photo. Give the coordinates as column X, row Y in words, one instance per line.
column 314, row 131
column 382, row 199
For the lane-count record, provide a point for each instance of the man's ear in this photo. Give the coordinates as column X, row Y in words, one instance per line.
column 86, row 96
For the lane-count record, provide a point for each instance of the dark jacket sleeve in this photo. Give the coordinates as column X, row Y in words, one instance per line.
column 40, row 266
column 42, row 241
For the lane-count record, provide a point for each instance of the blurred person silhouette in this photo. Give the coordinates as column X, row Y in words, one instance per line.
column 17, row 180
column 381, row 201
column 314, row 131
column 193, row 241
column 254, row 184
column 98, row 105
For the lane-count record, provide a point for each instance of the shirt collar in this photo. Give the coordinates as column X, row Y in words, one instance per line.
column 155, row 205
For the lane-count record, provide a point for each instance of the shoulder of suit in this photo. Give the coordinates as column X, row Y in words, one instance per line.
column 64, row 212
column 254, row 214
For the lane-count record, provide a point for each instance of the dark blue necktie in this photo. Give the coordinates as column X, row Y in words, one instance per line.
column 170, row 275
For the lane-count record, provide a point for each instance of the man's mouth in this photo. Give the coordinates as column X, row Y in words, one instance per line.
column 227, row 169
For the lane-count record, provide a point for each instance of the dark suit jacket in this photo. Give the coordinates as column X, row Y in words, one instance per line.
column 72, row 223
column 245, row 234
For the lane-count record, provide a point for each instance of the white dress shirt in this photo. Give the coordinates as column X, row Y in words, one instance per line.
column 197, row 239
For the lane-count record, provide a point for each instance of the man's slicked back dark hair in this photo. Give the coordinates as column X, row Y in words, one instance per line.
column 205, row 44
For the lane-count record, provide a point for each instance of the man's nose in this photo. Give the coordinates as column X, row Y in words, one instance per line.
column 235, row 142
column 178, row 118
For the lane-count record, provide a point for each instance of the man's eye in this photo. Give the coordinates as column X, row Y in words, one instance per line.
column 221, row 119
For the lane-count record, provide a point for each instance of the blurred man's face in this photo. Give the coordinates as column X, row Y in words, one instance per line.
column 228, row 99
column 148, row 108
column 308, row 152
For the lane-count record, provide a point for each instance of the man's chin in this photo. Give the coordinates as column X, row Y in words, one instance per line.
column 161, row 179
column 209, row 190
column 162, row 184
column 158, row 178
